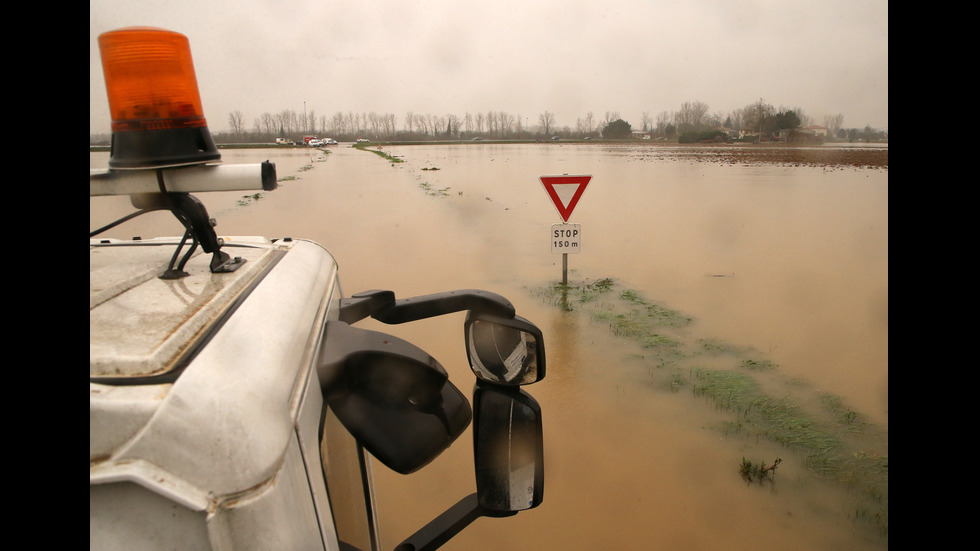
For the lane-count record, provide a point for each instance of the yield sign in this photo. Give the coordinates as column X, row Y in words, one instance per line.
column 565, row 191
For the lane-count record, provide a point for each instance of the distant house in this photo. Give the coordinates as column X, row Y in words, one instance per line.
column 815, row 130
column 640, row 134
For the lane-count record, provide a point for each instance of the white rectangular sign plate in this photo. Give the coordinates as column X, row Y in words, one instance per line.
column 566, row 238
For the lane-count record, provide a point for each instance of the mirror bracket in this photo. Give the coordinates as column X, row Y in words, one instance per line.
column 442, row 528
column 362, row 305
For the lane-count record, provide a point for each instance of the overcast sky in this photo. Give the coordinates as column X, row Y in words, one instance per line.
column 522, row 57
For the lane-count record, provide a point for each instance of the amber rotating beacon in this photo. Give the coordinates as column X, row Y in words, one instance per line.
column 157, row 118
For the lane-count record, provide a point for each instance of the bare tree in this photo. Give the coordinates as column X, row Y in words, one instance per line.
column 714, row 120
column 756, row 115
column 310, row 122
column 589, row 122
column 352, row 122
column 237, row 122
column 663, row 119
column 435, row 123
column 492, row 123
column 288, row 121
column 422, row 123
column 693, row 113
column 268, row 122
column 547, row 120
column 389, row 121
column 337, row 123
column 409, row 122
column 833, row 123
column 506, row 122
column 646, row 121
column 375, row 121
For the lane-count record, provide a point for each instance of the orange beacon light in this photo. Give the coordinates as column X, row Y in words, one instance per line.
column 157, row 118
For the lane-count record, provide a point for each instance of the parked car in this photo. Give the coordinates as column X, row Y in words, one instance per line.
column 360, row 140
column 316, row 143
column 329, row 141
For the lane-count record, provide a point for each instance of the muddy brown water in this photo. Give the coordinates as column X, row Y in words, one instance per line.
column 789, row 262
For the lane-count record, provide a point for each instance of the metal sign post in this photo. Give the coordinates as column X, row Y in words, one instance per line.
column 565, row 192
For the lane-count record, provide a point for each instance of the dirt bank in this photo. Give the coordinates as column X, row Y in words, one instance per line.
column 826, row 156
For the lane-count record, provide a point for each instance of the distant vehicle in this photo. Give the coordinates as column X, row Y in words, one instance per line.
column 555, row 138
column 284, row 141
column 359, row 140
column 316, row 143
column 329, row 141
column 588, row 137
column 476, row 139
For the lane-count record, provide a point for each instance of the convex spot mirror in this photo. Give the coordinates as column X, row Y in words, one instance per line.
column 504, row 350
column 508, row 449
column 393, row 397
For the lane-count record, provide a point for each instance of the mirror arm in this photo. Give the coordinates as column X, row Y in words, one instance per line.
column 427, row 306
column 442, row 528
column 382, row 306
column 362, row 305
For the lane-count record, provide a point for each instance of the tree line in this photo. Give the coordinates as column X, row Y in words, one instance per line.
column 691, row 121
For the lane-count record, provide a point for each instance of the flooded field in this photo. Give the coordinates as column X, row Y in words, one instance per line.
column 723, row 309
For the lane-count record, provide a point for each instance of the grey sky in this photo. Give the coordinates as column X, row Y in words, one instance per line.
column 523, row 57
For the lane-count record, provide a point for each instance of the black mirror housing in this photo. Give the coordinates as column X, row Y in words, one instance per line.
column 508, row 449
column 393, row 397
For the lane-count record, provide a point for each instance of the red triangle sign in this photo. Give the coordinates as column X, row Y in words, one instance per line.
column 569, row 190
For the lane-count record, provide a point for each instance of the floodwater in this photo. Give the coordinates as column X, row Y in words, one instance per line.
column 787, row 265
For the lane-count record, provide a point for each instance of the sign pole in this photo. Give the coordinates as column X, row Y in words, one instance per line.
column 564, row 268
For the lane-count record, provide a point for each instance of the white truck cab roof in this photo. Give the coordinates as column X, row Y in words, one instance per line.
column 211, row 365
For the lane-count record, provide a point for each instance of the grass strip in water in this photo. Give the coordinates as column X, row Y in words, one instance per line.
column 832, row 440
column 391, row 158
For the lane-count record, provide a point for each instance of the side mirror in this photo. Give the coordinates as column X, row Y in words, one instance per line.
column 509, row 458
column 508, row 449
column 504, row 350
column 393, row 397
